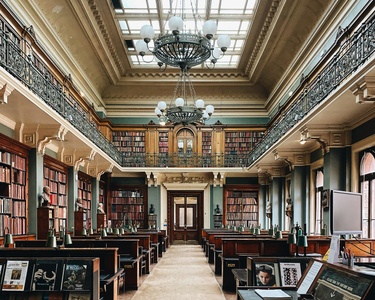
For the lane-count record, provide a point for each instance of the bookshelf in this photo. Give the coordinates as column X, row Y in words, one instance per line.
column 218, row 220
column 55, row 176
column 241, row 206
column 206, row 142
column 13, row 186
column 129, row 142
column 152, row 222
column 241, row 141
column 129, row 206
column 85, row 192
column 163, row 142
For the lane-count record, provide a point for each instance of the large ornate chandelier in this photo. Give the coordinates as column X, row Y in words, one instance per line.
column 183, row 48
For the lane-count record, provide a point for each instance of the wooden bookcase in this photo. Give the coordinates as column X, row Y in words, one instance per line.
column 163, row 143
column 218, row 220
column 130, row 142
column 241, row 205
column 152, row 221
column 55, row 176
column 206, row 142
column 129, row 206
column 13, row 186
column 85, row 193
column 241, row 141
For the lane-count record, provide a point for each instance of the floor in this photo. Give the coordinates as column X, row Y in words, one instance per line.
column 182, row 273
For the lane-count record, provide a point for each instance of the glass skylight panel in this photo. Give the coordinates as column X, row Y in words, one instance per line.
column 250, row 5
column 123, row 27
column 228, row 27
column 139, row 4
column 136, row 25
column 244, row 27
column 238, row 45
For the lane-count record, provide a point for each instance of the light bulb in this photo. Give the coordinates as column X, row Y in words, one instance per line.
column 180, row 102
column 210, row 109
column 176, row 23
column 147, row 33
column 223, row 42
column 209, row 28
column 162, row 105
column 199, row 103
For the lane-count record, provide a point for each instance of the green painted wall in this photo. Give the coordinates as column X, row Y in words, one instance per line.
column 300, row 194
column 154, row 198
column 277, row 188
column 217, row 197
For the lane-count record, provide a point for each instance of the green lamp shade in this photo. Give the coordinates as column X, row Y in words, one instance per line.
column 302, row 241
column 292, row 239
column 51, row 242
column 67, row 239
column 278, row 235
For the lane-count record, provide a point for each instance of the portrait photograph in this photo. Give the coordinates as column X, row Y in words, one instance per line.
column 267, row 274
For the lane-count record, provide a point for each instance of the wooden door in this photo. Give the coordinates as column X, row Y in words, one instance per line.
column 185, row 216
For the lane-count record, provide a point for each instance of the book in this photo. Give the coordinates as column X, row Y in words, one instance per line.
column 44, row 275
column 272, row 294
column 75, row 276
column 15, row 275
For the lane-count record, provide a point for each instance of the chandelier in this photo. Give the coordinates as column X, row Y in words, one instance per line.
column 184, row 48
column 181, row 111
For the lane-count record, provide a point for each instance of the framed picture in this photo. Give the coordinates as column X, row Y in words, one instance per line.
column 267, row 274
column 290, row 273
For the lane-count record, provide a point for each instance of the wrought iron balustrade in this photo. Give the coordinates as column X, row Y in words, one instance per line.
column 351, row 54
column 162, row 160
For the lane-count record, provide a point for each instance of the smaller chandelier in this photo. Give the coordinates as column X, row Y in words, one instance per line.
column 183, row 47
column 181, row 112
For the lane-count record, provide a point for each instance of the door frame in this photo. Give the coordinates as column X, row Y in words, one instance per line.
column 170, row 212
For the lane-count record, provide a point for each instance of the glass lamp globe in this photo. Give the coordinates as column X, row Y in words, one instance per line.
column 141, row 47
column 205, row 115
column 176, row 23
column 179, row 102
column 223, row 42
column 199, row 103
column 209, row 28
column 157, row 111
column 147, row 33
column 162, row 105
column 217, row 53
column 210, row 109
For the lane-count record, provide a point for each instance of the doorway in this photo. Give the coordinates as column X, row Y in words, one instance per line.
column 185, row 216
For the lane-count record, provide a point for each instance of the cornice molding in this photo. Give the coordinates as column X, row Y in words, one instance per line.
column 106, row 34
column 262, row 36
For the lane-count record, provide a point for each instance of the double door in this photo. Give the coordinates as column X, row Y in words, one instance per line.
column 185, row 216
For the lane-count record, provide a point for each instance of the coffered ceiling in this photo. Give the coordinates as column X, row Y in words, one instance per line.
column 95, row 38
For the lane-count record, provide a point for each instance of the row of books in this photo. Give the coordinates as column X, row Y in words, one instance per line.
column 83, row 185
column 242, row 208
column 128, row 193
column 60, row 200
column 125, row 208
column 84, row 194
column 15, row 225
column 19, row 208
column 128, row 133
column 242, row 216
column 127, row 200
column 5, row 205
column 4, row 174
column 13, row 160
column 54, row 175
column 131, row 215
column 56, row 187
column 45, row 275
column 17, row 191
column 243, row 134
column 240, row 200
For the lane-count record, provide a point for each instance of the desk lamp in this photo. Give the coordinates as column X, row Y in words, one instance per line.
column 302, row 240
column 8, row 238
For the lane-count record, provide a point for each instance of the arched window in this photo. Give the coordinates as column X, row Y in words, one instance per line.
column 367, row 180
column 319, row 179
column 185, row 142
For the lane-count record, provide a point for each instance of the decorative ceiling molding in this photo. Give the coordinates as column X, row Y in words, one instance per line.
column 106, row 34
column 262, row 36
column 193, row 75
